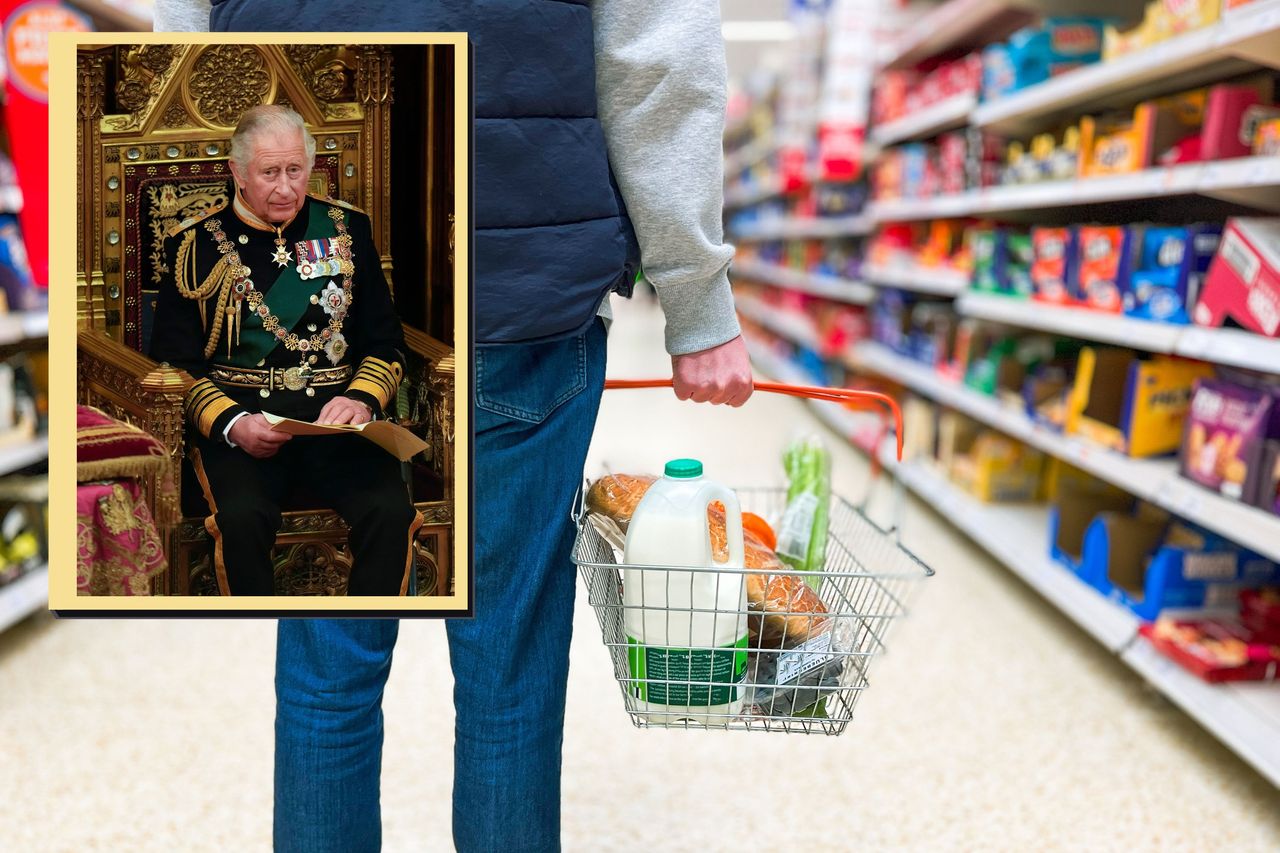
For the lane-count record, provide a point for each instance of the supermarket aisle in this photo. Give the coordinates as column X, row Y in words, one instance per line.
column 990, row 724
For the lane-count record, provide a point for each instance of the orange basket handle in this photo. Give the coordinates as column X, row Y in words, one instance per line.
column 866, row 399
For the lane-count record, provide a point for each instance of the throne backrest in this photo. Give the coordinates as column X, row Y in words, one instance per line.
column 154, row 131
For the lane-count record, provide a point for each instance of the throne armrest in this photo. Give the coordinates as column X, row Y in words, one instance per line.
column 429, row 401
column 136, row 389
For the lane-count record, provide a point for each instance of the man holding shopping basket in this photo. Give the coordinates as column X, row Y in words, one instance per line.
column 597, row 145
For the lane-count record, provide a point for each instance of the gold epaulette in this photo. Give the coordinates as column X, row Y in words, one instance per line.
column 193, row 220
column 335, row 202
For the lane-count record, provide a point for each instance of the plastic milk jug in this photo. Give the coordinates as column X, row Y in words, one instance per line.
column 688, row 628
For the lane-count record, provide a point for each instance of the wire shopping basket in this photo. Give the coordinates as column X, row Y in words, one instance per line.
column 810, row 635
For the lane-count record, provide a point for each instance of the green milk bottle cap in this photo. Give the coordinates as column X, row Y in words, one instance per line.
column 683, row 469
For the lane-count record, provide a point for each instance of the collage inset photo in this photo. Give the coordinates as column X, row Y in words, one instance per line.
column 269, row 245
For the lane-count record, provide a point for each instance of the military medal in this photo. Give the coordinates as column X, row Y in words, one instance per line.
column 281, row 256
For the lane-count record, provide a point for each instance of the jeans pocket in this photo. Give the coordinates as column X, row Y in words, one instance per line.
column 530, row 381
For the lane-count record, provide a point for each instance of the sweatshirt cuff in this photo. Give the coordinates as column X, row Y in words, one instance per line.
column 700, row 315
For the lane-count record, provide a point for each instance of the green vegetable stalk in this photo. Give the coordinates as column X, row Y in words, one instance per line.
column 802, row 540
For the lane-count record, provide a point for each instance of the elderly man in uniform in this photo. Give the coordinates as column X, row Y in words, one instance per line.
column 279, row 305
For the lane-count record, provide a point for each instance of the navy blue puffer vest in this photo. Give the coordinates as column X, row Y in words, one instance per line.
column 552, row 236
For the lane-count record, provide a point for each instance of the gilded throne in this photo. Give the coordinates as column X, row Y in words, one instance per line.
column 152, row 131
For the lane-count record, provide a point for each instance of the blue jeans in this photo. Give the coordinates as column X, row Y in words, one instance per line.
column 535, row 411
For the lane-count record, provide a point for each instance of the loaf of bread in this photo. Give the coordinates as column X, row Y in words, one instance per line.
column 790, row 611
column 616, row 495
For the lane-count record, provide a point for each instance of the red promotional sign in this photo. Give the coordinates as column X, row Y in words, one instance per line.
column 26, row 112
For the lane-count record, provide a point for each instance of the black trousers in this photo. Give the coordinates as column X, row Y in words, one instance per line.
column 353, row 476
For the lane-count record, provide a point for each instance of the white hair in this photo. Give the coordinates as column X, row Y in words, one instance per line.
column 267, row 118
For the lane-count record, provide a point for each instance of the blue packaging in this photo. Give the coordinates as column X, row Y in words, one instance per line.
column 1034, row 54
column 1171, row 265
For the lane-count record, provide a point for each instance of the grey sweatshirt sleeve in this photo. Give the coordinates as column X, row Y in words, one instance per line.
column 660, row 86
column 181, row 16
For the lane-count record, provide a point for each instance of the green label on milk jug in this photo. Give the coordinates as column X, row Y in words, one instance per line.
column 694, row 677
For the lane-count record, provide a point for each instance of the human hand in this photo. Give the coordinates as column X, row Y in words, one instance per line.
column 344, row 410
column 253, row 434
column 721, row 374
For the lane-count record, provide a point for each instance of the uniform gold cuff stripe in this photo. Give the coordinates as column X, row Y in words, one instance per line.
column 373, row 389
column 387, row 385
column 209, row 414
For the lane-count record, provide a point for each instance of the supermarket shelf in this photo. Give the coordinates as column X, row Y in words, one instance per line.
column 19, row 326
column 746, row 196
column 1246, row 716
column 862, row 429
column 788, row 325
column 956, row 23
column 749, row 155
column 20, row 598
column 917, row 278
column 1018, row 536
column 1221, row 346
column 808, row 227
column 1246, row 180
column 1075, row 322
column 14, row 457
column 1230, row 346
column 828, row 287
column 1154, row 480
column 125, row 17
column 1243, row 37
column 930, row 121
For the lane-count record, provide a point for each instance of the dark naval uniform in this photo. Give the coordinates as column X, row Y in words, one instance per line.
column 282, row 320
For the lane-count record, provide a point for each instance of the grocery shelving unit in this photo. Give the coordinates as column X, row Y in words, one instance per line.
column 1244, row 38
column 930, row 121
column 914, row 277
column 828, row 287
column 802, row 228
column 1246, row 717
column 24, row 596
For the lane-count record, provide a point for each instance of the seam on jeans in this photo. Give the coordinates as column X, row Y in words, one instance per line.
column 578, row 385
column 551, row 224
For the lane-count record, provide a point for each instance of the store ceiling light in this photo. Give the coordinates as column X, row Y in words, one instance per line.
column 758, row 30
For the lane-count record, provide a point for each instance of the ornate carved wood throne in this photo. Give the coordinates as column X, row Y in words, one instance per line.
column 153, row 126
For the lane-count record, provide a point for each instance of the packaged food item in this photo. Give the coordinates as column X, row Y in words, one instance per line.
column 686, row 630
column 616, row 495
column 1054, row 256
column 1169, row 270
column 794, row 682
column 1035, row 54
column 1119, row 142
column 1266, row 137
column 1215, row 650
column 802, row 534
column 1131, row 404
column 1102, row 271
column 1260, row 612
column 1226, row 430
column 1243, row 282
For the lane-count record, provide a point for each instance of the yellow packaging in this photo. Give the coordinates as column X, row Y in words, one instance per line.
column 1132, row 406
column 1112, row 145
column 1169, row 18
column 1266, row 139
column 999, row 469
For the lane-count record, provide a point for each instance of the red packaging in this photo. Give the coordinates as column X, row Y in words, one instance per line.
column 1103, row 266
column 1223, row 133
column 26, row 112
column 1243, row 282
column 1260, row 612
column 1215, row 650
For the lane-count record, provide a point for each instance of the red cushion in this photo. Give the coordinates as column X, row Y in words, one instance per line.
column 107, row 448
